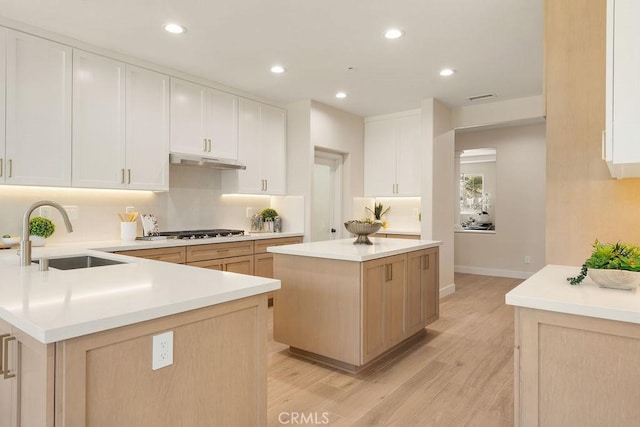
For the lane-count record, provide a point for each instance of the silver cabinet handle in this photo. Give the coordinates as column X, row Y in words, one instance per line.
column 5, row 357
column 2, row 337
column 10, row 168
column 1, row 167
column 128, row 176
column 122, row 176
column 266, row 185
column 204, row 144
column 209, row 145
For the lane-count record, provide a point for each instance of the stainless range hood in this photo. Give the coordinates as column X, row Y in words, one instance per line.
column 204, row 162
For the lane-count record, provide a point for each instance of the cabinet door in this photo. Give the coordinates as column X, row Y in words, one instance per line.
column 8, row 387
column 222, row 124
column 212, row 264
column 431, row 290
column 176, row 254
column 408, row 156
column 147, row 130
column 263, row 265
column 373, row 342
column 3, row 79
column 380, row 139
column 38, row 127
column 274, row 149
column 242, row 265
column 416, row 264
column 98, row 121
column 188, row 117
column 395, row 296
column 247, row 181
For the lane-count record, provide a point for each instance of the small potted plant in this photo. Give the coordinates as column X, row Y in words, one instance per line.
column 39, row 229
column 269, row 215
column 611, row 266
column 379, row 212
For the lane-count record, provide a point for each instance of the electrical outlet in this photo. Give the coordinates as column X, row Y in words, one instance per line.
column 527, row 259
column 162, row 351
column 249, row 212
column 129, row 209
column 72, row 212
column 45, row 211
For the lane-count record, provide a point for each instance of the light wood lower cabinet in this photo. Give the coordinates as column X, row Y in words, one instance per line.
column 575, row 370
column 240, row 264
column 177, row 254
column 263, row 260
column 347, row 314
column 104, row 379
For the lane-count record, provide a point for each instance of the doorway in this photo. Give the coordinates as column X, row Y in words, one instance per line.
column 326, row 198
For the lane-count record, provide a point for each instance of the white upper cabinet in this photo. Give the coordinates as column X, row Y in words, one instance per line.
column 622, row 149
column 262, row 148
column 204, row 121
column 392, row 155
column 120, row 125
column 147, row 129
column 98, row 121
column 3, row 79
column 38, row 111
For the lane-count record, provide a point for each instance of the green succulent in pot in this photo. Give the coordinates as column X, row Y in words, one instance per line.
column 269, row 214
column 607, row 256
column 39, row 226
column 378, row 210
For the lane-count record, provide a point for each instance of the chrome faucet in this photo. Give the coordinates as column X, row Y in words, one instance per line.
column 25, row 243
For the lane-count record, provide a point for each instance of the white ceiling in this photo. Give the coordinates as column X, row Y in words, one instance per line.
column 495, row 45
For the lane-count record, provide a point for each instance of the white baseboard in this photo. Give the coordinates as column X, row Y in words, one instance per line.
column 447, row 290
column 492, row 272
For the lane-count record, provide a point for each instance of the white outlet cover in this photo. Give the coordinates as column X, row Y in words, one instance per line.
column 162, row 350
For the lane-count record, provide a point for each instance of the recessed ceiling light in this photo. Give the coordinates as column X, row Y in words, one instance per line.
column 393, row 33
column 445, row 72
column 278, row 69
column 341, row 95
column 174, row 28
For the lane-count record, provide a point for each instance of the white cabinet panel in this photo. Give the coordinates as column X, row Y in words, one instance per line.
column 38, row 111
column 262, row 148
column 3, row 79
column 392, row 156
column 98, row 121
column 204, row 121
column 622, row 150
column 147, row 129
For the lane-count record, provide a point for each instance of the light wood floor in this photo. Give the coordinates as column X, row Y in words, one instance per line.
column 459, row 374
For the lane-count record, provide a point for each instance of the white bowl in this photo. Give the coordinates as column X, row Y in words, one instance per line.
column 10, row 240
column 616, row 279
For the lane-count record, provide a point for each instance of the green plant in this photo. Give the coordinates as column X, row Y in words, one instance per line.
column 619, row 256
column 377, row 211
column 269, row 214
column 39, row 226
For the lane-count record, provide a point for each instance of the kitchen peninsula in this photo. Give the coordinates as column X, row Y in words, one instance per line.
column 78, row 344
column 577, row 351
column 347, row 305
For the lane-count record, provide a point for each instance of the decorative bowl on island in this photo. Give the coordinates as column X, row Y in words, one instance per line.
column 362, row 229
column 616, row 279
column 10, row 240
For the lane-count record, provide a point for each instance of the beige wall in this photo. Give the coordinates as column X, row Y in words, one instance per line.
column 519, row 204
column 583, row 202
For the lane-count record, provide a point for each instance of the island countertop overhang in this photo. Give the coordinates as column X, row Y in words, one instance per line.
column 345, row 250
column 549, row 290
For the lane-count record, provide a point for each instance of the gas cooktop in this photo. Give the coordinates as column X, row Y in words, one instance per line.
column 201, row 234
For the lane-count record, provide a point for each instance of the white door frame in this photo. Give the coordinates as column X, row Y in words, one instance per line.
column 334, row 161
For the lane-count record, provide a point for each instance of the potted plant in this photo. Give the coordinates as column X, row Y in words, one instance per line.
column 378, row 212
column 39, row 229
column 611, row 266
column 269, row 216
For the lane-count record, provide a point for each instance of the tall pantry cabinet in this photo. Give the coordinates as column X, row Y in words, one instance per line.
column 38, row 111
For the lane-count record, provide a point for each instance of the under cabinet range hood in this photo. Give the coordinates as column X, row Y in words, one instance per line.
column 204, row 162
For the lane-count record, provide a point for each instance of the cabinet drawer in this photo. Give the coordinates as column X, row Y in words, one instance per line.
column 176, row 255
column 262, row 245
column 241, row 264
column 219, row 250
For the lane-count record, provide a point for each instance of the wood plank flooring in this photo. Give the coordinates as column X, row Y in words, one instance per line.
column 459, row 374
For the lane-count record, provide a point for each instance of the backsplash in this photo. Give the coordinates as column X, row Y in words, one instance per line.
column 194, row 201
column 403, row 215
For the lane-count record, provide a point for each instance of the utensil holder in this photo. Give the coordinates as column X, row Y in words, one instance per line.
column 128, row 231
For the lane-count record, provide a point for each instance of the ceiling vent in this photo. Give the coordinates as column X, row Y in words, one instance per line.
column 479, row 97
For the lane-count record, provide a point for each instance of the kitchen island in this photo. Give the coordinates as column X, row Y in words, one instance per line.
column 577, row 352
column 77, row 344
column 348, row 305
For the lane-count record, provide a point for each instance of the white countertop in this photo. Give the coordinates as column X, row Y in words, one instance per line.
column 345, row 250
column 549, row 290
column 56, row 305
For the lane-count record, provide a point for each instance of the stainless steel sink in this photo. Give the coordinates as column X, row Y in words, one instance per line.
column 75, row 262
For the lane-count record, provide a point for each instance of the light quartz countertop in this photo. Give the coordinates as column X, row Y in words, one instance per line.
column 549, row 290
column 56, row 305
column 345, row 250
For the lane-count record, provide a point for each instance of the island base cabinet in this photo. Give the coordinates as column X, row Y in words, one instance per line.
column 218, row 375
column 575, row 370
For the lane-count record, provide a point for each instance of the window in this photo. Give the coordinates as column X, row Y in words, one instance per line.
column 472, row 195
